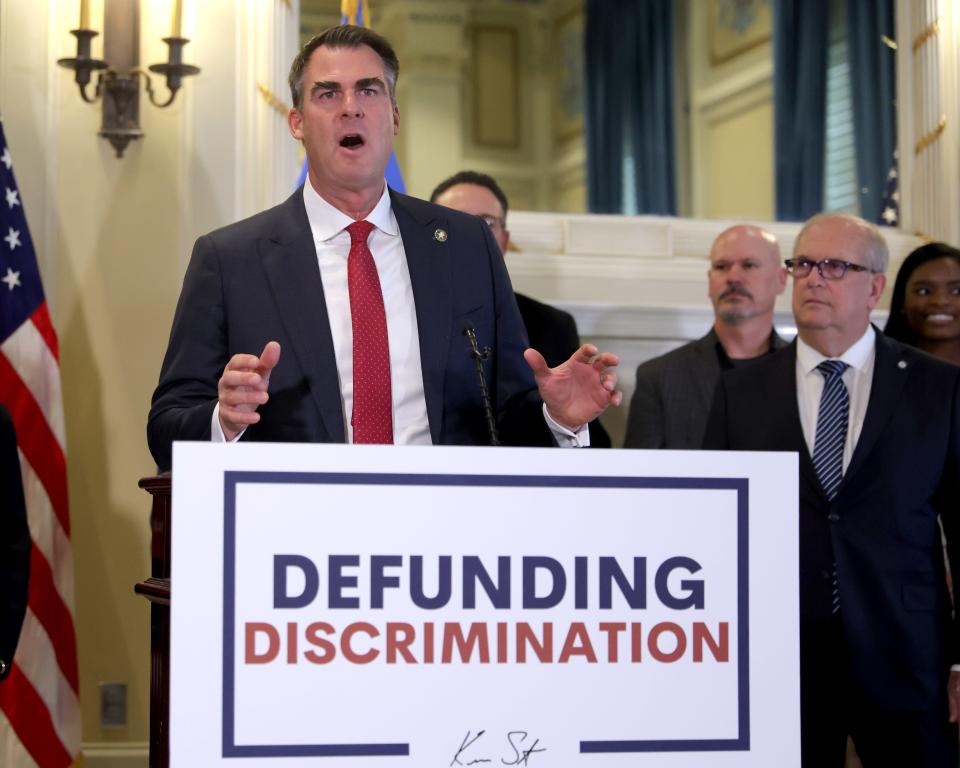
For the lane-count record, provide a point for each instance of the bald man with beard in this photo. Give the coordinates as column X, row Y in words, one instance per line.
column 673, row 392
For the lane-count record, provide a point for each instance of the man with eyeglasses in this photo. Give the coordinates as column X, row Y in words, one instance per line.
column 552, row 332
column 671, row 399
column 876, row 425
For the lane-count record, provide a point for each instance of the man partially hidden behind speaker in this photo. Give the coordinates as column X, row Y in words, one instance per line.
column 552, row 332
column 14, row 545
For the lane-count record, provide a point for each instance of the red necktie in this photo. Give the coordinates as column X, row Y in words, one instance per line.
column 372, row 417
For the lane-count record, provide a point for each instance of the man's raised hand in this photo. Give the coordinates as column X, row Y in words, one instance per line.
column 579, row 390
column 243, row 388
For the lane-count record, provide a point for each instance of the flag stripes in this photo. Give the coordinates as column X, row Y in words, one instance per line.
column 29, row 352
column 31, row 721
column 53, row 689
column 49, row 608
column 36, row 440
column 39, row 700
column 46, row 532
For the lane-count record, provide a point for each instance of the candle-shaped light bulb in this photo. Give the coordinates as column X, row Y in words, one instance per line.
column 84, row 14
column 177, row 14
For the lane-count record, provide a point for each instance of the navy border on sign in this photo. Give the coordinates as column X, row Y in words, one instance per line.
column 233, row 478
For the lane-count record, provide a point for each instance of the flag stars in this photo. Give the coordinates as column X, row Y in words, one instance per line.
column 5, row 158
column 12, row 279
column 889, row 215
column 12, row 197
column 13, row 238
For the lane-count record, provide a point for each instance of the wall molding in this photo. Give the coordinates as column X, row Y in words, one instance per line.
column 116, row 754
column 634, row 261
column 743, row 82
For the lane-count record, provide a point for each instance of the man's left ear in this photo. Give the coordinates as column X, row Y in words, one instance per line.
column 877, row 284
column 396, row 119
column 295, row 123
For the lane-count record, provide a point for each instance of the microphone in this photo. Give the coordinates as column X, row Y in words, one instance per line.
column 479, row 356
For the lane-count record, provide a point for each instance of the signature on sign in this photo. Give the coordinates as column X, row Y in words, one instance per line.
column 519, row 747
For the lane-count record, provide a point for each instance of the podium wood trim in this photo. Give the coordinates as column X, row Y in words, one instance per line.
column 156, row 589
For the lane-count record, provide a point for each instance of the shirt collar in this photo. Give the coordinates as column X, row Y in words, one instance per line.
column 857, row 355
column 326, row 221
column 726, row 363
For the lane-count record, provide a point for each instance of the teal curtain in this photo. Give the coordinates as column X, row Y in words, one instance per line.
column 800, row 33
column 629, row 105
column 873, row 88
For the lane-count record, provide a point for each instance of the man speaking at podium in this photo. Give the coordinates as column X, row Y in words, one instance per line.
column 342, row 314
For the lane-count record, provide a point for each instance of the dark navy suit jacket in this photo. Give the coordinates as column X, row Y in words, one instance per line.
column 259, row 280
column 881, row 528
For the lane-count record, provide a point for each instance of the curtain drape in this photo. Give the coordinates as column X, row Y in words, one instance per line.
column 629, row 104
column 873, row 88
column 800, row 33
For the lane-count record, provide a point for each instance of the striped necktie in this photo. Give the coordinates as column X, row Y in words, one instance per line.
column 831, row 437
column 832, row 421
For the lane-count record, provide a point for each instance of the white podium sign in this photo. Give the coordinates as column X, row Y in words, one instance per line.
column 435, row 607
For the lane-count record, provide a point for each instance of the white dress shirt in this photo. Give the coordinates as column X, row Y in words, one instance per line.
column 858, row 378
column 332, row 241
column 410, row 424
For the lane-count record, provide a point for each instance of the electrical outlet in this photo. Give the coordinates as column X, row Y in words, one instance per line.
column 113, row 705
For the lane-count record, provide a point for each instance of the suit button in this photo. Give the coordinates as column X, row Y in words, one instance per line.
column 826, row 575
column 833, row 517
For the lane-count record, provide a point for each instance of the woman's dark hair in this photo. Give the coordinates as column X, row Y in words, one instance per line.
column 897, row 326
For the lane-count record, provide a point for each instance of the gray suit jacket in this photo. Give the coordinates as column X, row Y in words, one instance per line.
column 672, row 400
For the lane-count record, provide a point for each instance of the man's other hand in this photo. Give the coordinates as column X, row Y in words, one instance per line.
column 953, row 696
column 579, row 390
column 243, row 388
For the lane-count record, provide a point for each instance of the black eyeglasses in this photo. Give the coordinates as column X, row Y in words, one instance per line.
column 829, row 269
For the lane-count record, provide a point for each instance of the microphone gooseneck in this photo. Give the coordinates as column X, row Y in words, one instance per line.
column 479, row 355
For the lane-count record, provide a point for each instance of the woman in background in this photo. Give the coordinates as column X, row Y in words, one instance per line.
column 925, row 313
column 925, row 308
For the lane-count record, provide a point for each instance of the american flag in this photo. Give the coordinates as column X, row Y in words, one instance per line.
column 890, row 206
column 39, row 701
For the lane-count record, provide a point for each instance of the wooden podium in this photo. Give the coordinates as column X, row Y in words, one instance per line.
column 156, row 589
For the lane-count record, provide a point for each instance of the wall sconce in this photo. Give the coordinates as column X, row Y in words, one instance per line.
column 119, row 74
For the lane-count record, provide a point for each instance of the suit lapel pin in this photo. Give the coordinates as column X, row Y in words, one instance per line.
column 440, row 235
column 902, row 364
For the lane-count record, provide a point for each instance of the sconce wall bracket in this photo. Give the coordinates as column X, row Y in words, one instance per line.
column 82, row 64
column 121, row 91
column 121, row 110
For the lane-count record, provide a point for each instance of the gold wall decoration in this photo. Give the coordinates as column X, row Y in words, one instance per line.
column 496, row 94
column 736, row 26
column 273, row 100
column 931, row 136
column 568, row 66
column 924, row 36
